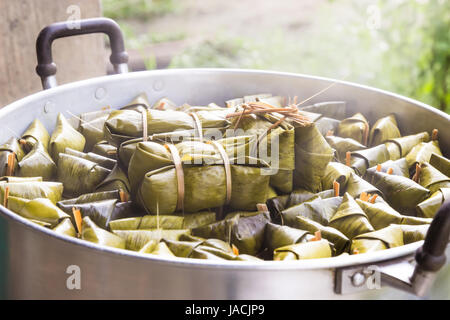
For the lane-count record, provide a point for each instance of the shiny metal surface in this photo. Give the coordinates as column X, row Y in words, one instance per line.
column 35, row 260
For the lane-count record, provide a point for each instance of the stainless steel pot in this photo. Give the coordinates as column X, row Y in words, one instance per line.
column 38, row 263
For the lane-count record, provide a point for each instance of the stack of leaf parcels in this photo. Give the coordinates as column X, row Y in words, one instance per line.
column 259, row 179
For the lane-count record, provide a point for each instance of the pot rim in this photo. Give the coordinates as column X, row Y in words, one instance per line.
column 324, row 263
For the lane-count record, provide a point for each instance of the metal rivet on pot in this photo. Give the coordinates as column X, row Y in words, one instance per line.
column 158, row 85
column 358, row 279
column 100, row 93
column 48, row 107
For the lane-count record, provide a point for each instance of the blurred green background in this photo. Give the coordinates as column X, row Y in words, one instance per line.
column 398, row 45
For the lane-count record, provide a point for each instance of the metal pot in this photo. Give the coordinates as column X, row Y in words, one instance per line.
column 38, row 264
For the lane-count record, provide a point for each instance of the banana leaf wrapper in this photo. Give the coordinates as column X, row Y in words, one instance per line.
column 197, row 219
column 343, row 145
column 40, row 209
column 326, row 125
column 440, row 163
column 164, row 104
column 277, row 236
column 161, row 249
column 37, row 163
column 105, row 149
column 318, row 209
column 350, row 219
column 84, row 117
column 79, row 175
column 32, row 190
column 283, row 180
column 136, row 239
column 384, row 129
column 64, row 136
column 184, row 249
column 401, row 193
column 5, row 150
column 148, row 222
column 422, row 152
column 380, row 214
column 115, row 180
column 105, row 162
column 88, row 197
column 415, row 220
column 354, row 127
column 35, row 133
column 41, row 223
column 312, row 155
column 299, row 196
column 429, row 207
column 386, row 238
column 272, row 193
column 248, row 233
column 340, row 242
column 413, row 233
column 357, row 185
column 65, row 227
column 432, row 179
column 20, row 179
column 93, row 233
column 400, row 147
column 364, row 159
column 221, row 230
column 301, row 251
column 331, row 109
column 399, row 167
column 338, row 172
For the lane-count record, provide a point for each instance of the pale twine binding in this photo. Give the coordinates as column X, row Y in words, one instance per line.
column 180, row 175
column 144, row 126
column 226, row 164
column 198, row 125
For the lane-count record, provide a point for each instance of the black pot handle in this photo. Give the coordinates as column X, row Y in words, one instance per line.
column 46, row 68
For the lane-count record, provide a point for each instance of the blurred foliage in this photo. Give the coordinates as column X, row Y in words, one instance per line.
column 138, row 9
column 398, row 45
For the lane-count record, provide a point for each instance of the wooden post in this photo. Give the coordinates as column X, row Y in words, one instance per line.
column 76, row 58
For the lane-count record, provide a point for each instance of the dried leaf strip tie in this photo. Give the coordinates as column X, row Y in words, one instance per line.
column 198, row 125
column 226, row 164
column 144, row 126
column 180, row 175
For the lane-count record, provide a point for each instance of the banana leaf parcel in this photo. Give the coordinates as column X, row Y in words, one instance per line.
column 93, row 233
column 90, row 125
column 248, row 233
column 338, row 172
column 105, row 149
column 64, row 136
column 37, row 163
column 363, row 159
column 429, row 207
column 116, row 180
column 440, row 163
column 300, row 251
column 277, row 236
column 88, row 197
column 158, row 249
column 327, row 125
column 136, row 239
column 399, row 167
column 422, row 152
column 389, row 237
column 331, row 109
column 343, row 145
column 8, row 148
column 105, row 162
column 35, row 133
column 413, row 233
column 400, row 147
column 355, row 127
column 32, row 190
column 380, row 214
column 65, row 227
column 79, row 175
column 431, row 178
column 384, row 129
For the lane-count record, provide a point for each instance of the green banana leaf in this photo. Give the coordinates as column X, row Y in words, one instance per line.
column 20, row 179
column 88, row 197
column 380, row 214
column 400, row 147
column 301, row 251
column 103, row 148
column 165, row 104
column 41, row 223
column 139, row 102
column 91, row 232
column 37, row 163
column 271, row 193
column 399, row 167
column 65, row 227
column 386, row 238
column 276, row 236
column 415, row 220
column 283, row 180
column 331, row 109
column 90, row 125
column 32, row 190
column 350, row 219
column 79, row 175
column 326, row 125
column 422, row 152
column 340, row 242
column 312, row 155
column 363, row 159
column 105, row 162
column 35, row 133
column 64, row 136
column 432, row 179
column 336, row 171
column 149, row 246
column 343, row 145
column 136, row 239
column 160, row 249
column 413, row 233
column 429, row 207
column 401, row 193
column 357, row 185
column 354, row 127
column 221, row 230
column 115, row 180
column 182, row 249
column 248, row 233
column 384, row 129
column 440, row 163
column 318, row 209
column 197, row 219
column 148, row 222
column 5, row 150
column 40, row 209
column 299, row 196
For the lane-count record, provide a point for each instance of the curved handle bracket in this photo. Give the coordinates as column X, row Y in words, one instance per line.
column 46, row 68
